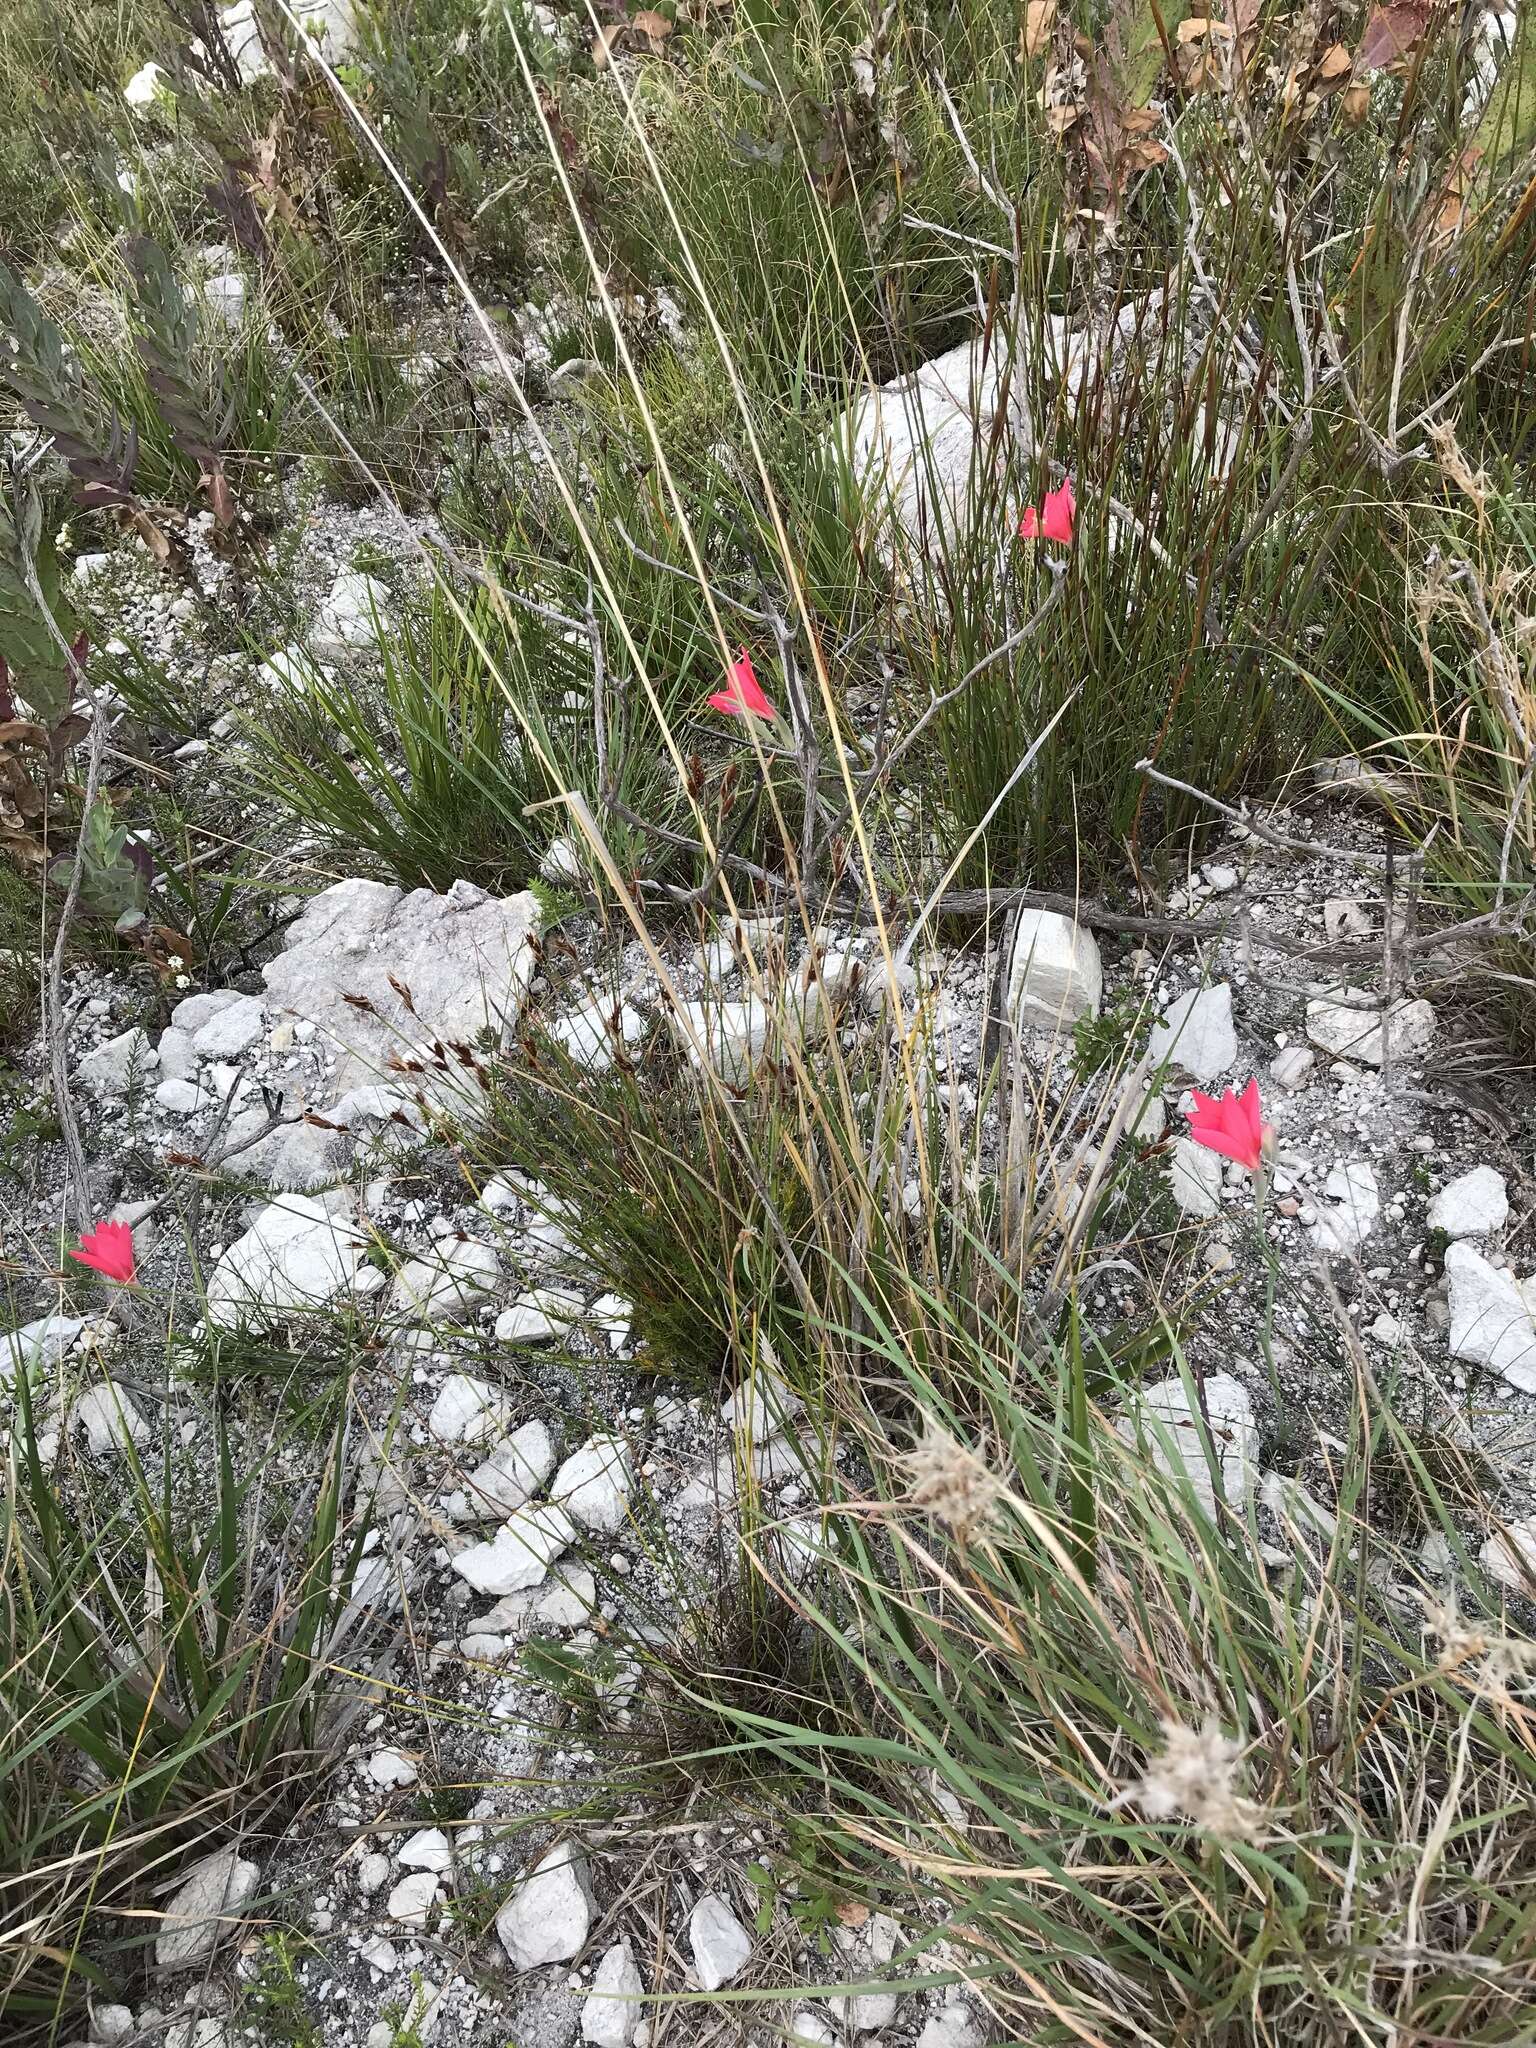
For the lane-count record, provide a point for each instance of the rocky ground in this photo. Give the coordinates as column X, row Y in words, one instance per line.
column 532, row 1509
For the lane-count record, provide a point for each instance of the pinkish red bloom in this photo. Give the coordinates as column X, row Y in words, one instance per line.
column 745, row 693
column 1053, row 521
column 108, row 1250
column 1234, row 1126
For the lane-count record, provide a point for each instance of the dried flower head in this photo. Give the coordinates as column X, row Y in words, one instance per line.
column 952, row 1483
column 1490, row 1663
column 1197, row 1775
column 1454, row 466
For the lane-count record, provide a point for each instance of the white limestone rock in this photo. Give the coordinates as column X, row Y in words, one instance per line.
column 1055, row 975
column 565, row 863
column 413, row 1898
column 231, row 1032
column 1475, row 1204
column 1291, row 1067
column 209, row 1903
column 224, row 297
column 549, row 1915
column 467, row 1411
column 298, row 1255
column 351, row 619
column 1194, row 1178
column 511, row 1475
column 953, row 2026
column 180, row 1098
column 1509, row 1555
column 389, row 1770
column 1196, row 1034
column 913, row 444
column 521, row 1552
column 144, row 86
column 721, row 1946
column 1357, row 1030
column 1170, row 1426
column 291, row 672
column 427, row 1849
column 448, row 1283
column 39, row 1344
column 1493, row 1317
column 193, row 1012
column 730, row 1037
column 763, row 1406
column 1352, row 1190
column 593, row 1035
column 612, row 2010
column 111, row 1420
column 539, row 1316
column 463, row 958
column 113, row 1068
column 178, row 1057
column 593, row 1485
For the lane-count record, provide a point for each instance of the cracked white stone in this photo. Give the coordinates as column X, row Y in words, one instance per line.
column 207, row 1905
column 593, row 1485
column 1291, row 1067
column 427, row 1849
column 1173, row 1430
column 549, row 1915
column 1474, row 1204
column 721, row 1946
column 511, row 1475
column 1194, row 1178
column 539, row 1316
column 432, row 971
column 592, row 1035
column 521, row 1552
column 352, row 618
column 413, row 1898
column 869, row 1950
column 1055, row 975
column 113, row 1068
column 467, row 1411
column 297, row 1256
column 111, row 1420
column 1493, row 1317
column 449, row 1282
column 612, row 2010
column 1509, row 1555
column 1357, row 1030
column 1351, row 1188
column 388, row 1768
column 1196, row 1035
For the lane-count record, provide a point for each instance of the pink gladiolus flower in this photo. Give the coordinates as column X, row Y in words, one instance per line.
column 1054, row 519
column 745, row 693
column 1234, row 1126
column 108, row 1249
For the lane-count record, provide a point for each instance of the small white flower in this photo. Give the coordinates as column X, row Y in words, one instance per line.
column 1197, row 1775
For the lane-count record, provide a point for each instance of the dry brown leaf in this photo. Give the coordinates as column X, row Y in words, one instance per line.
column 603, row 43
column 1039, row 21
column 852, row 1913
column 1196, row 26
column 1140, row 120
column 1335, row 62
column 1392, row 32
column 1060, row 119
column 1143, row 156
column 652, row 25
column 1356, row 104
